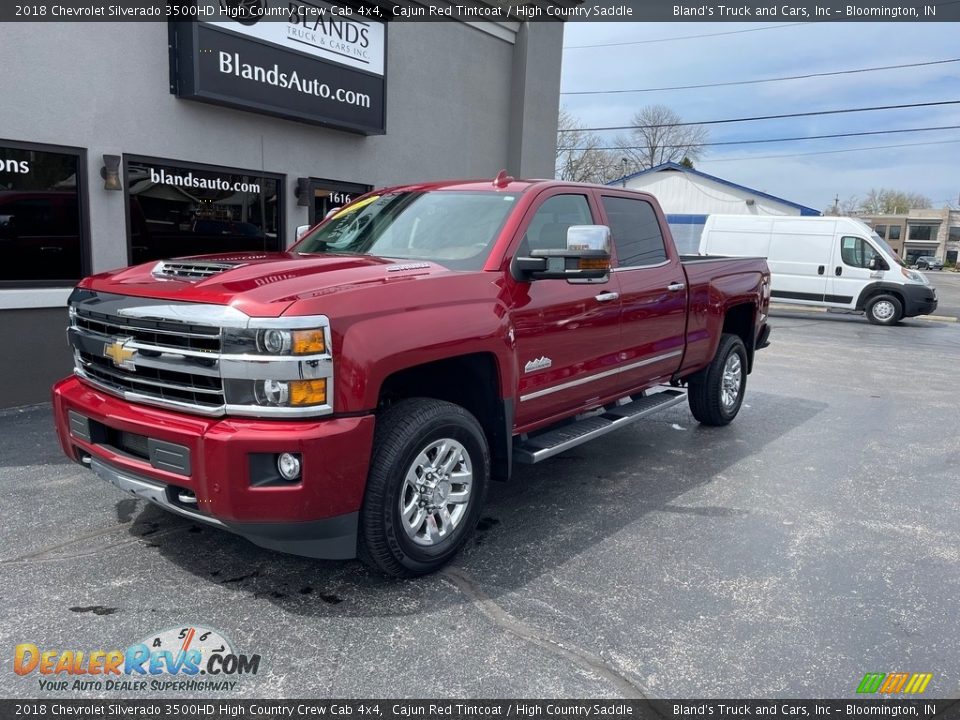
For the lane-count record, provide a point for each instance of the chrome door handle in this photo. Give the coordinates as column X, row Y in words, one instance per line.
column 676, row 287
column 607, row 297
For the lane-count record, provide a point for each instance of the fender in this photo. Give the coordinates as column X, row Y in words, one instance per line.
column 876, row 288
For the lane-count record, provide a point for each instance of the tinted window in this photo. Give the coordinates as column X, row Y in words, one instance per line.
column 548, row 228
column 881, row 230
column 922, row 232
column 856, row 252
column 177, row 210
column 894, row 233
column 40, row 224
column 636, row 232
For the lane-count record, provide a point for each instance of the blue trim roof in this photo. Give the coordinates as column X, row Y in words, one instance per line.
column 804, row 210
column 686, row 219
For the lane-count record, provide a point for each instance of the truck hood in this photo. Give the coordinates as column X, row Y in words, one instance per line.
column 259, row 284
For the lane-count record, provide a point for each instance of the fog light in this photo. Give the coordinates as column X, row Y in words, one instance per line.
column 288, row 465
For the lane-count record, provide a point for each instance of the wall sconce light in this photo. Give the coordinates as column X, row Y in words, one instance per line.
column 751, row 202
column 303, row 192
column 110, row 172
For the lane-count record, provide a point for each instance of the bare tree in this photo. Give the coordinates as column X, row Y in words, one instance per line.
column 659, row 138
column 579, row 154
column 884, row 201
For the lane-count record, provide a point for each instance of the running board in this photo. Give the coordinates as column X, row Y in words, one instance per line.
column 552, row 442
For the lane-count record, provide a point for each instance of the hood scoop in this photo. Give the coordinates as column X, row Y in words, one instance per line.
column 191, row 271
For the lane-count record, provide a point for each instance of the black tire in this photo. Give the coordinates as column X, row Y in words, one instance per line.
column 403, row 432
column 705, row 388
column 884, row 310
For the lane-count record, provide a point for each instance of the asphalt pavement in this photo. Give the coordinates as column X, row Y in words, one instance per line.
column 813, row 540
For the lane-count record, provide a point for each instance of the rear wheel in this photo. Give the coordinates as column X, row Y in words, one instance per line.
column 715, row 394
column 884, row 310
column 427, row 483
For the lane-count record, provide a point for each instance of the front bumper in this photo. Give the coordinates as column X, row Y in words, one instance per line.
column 919, row 300
column 215, row 462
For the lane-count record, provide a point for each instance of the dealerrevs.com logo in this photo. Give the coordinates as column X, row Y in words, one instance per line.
column 188, row 658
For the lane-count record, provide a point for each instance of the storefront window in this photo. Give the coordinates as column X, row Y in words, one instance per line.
column 922, row 232
column 330, row 194
column 42, row 241
column 177, row 210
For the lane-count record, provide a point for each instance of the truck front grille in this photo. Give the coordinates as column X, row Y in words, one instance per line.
column 191, row 357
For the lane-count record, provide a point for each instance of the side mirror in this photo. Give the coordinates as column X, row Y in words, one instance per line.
column 586, row 257
column 301, row 231
column 877, row 263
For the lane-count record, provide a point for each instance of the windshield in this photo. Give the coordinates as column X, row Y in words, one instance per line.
column 452, row 228
column 886, row 248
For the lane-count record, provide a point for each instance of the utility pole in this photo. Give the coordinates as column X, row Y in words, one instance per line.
column 836, row 205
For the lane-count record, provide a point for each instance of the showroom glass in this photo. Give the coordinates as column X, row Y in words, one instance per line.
column 176, row 211
column 452, row 228
column 636, row 232
column 41, row 238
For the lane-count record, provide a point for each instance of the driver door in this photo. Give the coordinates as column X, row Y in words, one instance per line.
column 567, row 334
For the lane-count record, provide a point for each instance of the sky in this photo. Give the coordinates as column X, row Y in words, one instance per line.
column 785, row 49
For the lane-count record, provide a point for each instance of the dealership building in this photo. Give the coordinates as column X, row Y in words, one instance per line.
column 128, row 142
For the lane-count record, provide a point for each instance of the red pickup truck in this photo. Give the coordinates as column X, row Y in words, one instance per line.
column 355, row 395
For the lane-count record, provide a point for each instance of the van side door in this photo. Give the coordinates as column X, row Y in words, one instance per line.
column 851, row 271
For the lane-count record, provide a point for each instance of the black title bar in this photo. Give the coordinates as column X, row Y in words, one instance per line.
column 503, row 11
column 45, row 709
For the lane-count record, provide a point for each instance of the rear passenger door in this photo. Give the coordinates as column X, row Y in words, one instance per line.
column 653, row 292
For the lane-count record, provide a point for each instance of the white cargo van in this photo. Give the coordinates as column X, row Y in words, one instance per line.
column 833, row 262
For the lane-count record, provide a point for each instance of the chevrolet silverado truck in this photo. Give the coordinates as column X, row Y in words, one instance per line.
column 354, row 396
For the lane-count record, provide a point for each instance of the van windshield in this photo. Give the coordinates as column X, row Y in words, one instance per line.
column 452, row 228
column 886, row 248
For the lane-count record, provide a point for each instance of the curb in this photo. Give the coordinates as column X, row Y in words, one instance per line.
column 841, row 311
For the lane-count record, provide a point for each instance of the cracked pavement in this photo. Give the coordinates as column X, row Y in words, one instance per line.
column 813, row 540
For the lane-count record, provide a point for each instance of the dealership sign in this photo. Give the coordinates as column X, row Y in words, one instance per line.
column 308, row 61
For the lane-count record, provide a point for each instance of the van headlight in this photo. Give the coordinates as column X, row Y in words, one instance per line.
column 914, row 276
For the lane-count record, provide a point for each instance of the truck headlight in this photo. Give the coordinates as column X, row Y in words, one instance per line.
column 291, row 393
column 298, row 342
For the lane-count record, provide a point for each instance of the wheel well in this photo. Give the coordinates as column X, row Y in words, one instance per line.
column 739, row 320
column 871, row 292
column 473, row 383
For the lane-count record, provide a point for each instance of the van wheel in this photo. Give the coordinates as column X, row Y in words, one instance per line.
column 425, row 489
column 715, row 393
column 884, row 310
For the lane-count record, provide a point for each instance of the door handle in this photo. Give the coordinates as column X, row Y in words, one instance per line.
column 676, row 287
column 839, row 271
column 821, row 270
column 607, row 297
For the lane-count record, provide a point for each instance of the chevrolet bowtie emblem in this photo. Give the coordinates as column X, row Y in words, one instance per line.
column 121, row 355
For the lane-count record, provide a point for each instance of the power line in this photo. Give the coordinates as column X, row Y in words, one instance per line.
column 684, row 37
column 766, row 117
column 827, row 152
column 775, row 140
column 763, row 80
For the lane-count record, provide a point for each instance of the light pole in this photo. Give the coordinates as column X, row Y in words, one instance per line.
column 623, row 163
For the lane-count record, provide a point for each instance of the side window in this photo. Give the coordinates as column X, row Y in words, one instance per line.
column 548, row 227
column 856, row 252
column 636, row 232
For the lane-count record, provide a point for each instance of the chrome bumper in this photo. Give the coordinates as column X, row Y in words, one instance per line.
column 146, row 489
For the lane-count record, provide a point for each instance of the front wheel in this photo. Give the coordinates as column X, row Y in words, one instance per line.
column 884, row 310
column 715, row 393
column 427, row 483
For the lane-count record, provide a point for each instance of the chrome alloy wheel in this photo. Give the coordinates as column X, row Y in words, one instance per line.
column 883, row 310
column 436, row 492
column 732, row 381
